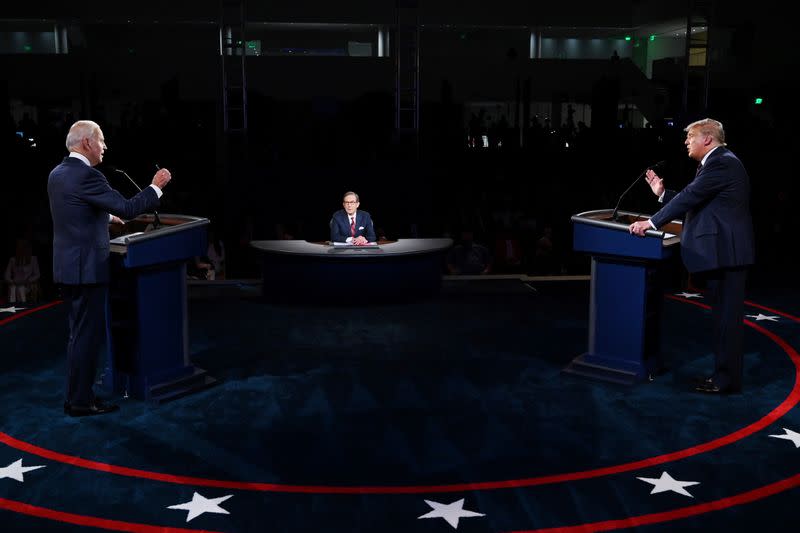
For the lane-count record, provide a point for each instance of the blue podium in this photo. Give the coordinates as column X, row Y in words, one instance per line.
column 626, row 295
column 148, row 349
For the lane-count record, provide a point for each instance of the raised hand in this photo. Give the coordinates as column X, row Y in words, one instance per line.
column 655, row 183
column 161, row 178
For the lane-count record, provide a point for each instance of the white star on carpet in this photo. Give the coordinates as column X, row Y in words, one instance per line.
column 690, row 294
column 200, row 504
column 759, row 317
column 16, row 470
column 790, row 435
column 451, row 512
column 11, row 309
column 666, row 484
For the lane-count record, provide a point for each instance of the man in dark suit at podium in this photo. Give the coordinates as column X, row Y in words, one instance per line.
column 82, row 205
column 717, row 241
column 351, row 226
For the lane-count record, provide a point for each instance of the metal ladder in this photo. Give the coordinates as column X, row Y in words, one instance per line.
column 232, row 50
column 698, row 56
column 407, row 75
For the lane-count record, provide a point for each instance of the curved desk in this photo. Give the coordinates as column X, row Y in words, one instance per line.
column 302, row 270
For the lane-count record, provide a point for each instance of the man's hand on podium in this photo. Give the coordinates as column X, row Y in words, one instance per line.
column 640, row 227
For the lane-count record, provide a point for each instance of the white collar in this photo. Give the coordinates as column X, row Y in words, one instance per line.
column 82, row 157
column 703, row 162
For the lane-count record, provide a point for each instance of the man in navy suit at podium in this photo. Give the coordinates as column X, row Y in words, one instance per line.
column 82, row 204
column 350, row 225
column 717, row 241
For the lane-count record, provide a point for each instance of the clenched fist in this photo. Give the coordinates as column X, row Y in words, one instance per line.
column 161, row 178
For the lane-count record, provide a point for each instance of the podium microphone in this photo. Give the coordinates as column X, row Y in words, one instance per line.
column 614, row 215
column 156, row 220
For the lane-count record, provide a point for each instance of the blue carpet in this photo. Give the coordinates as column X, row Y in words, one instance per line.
column 347, row 418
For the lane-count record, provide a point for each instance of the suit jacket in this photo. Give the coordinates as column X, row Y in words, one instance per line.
column 715, row 206
column 80, row 202
column 340, row 226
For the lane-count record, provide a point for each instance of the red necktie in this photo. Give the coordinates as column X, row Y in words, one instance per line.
column 353, row 227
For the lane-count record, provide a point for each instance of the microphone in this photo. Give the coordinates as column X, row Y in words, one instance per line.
column 156, row 220
column 614, row 215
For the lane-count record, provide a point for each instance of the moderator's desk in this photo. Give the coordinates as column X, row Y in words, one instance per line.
column 301, row 270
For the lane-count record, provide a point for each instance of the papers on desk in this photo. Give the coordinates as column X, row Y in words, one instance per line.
column 348, row 245
column 669, row 235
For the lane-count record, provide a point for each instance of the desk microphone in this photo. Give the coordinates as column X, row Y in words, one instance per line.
column 614, row 215
column 156, row 220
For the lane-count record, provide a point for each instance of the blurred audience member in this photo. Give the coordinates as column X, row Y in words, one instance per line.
column 282, row 232
column 22, row 275
column 212, row 265
column 545, row 263
column 469, row 257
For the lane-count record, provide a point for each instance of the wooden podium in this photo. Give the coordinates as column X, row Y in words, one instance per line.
column 148, row 352
column 626, row 295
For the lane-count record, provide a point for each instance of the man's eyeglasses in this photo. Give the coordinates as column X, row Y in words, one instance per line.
column 350, row 203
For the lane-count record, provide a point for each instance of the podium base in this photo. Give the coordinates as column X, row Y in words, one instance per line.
column 164, row 392
column 583, row 366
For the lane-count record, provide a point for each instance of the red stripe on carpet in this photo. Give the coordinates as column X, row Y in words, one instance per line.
column 765, row 308
column 677, row 514
column 90, row 521
column 790, row 402
column 27, row 312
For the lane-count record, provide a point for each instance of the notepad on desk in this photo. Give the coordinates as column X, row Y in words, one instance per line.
column 348, row 245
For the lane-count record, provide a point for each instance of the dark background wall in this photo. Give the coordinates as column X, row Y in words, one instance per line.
column 150, row 75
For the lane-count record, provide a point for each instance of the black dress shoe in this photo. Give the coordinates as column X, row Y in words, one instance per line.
column 708, row 387
column 711, row 387
column 97, row 407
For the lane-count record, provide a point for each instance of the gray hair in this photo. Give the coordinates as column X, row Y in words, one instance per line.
column 709, row 126
column 351, row 193
column 83, row 129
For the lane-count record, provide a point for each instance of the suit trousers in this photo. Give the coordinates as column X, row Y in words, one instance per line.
column 726, row 287
column 87, row 332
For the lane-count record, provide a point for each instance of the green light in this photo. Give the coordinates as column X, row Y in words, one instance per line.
column 627, row 37
column 652, row 37
column 759, row 101
column 27, row 48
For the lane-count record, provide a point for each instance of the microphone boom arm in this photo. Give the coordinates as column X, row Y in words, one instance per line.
column 615, row 214
column 156, row 220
